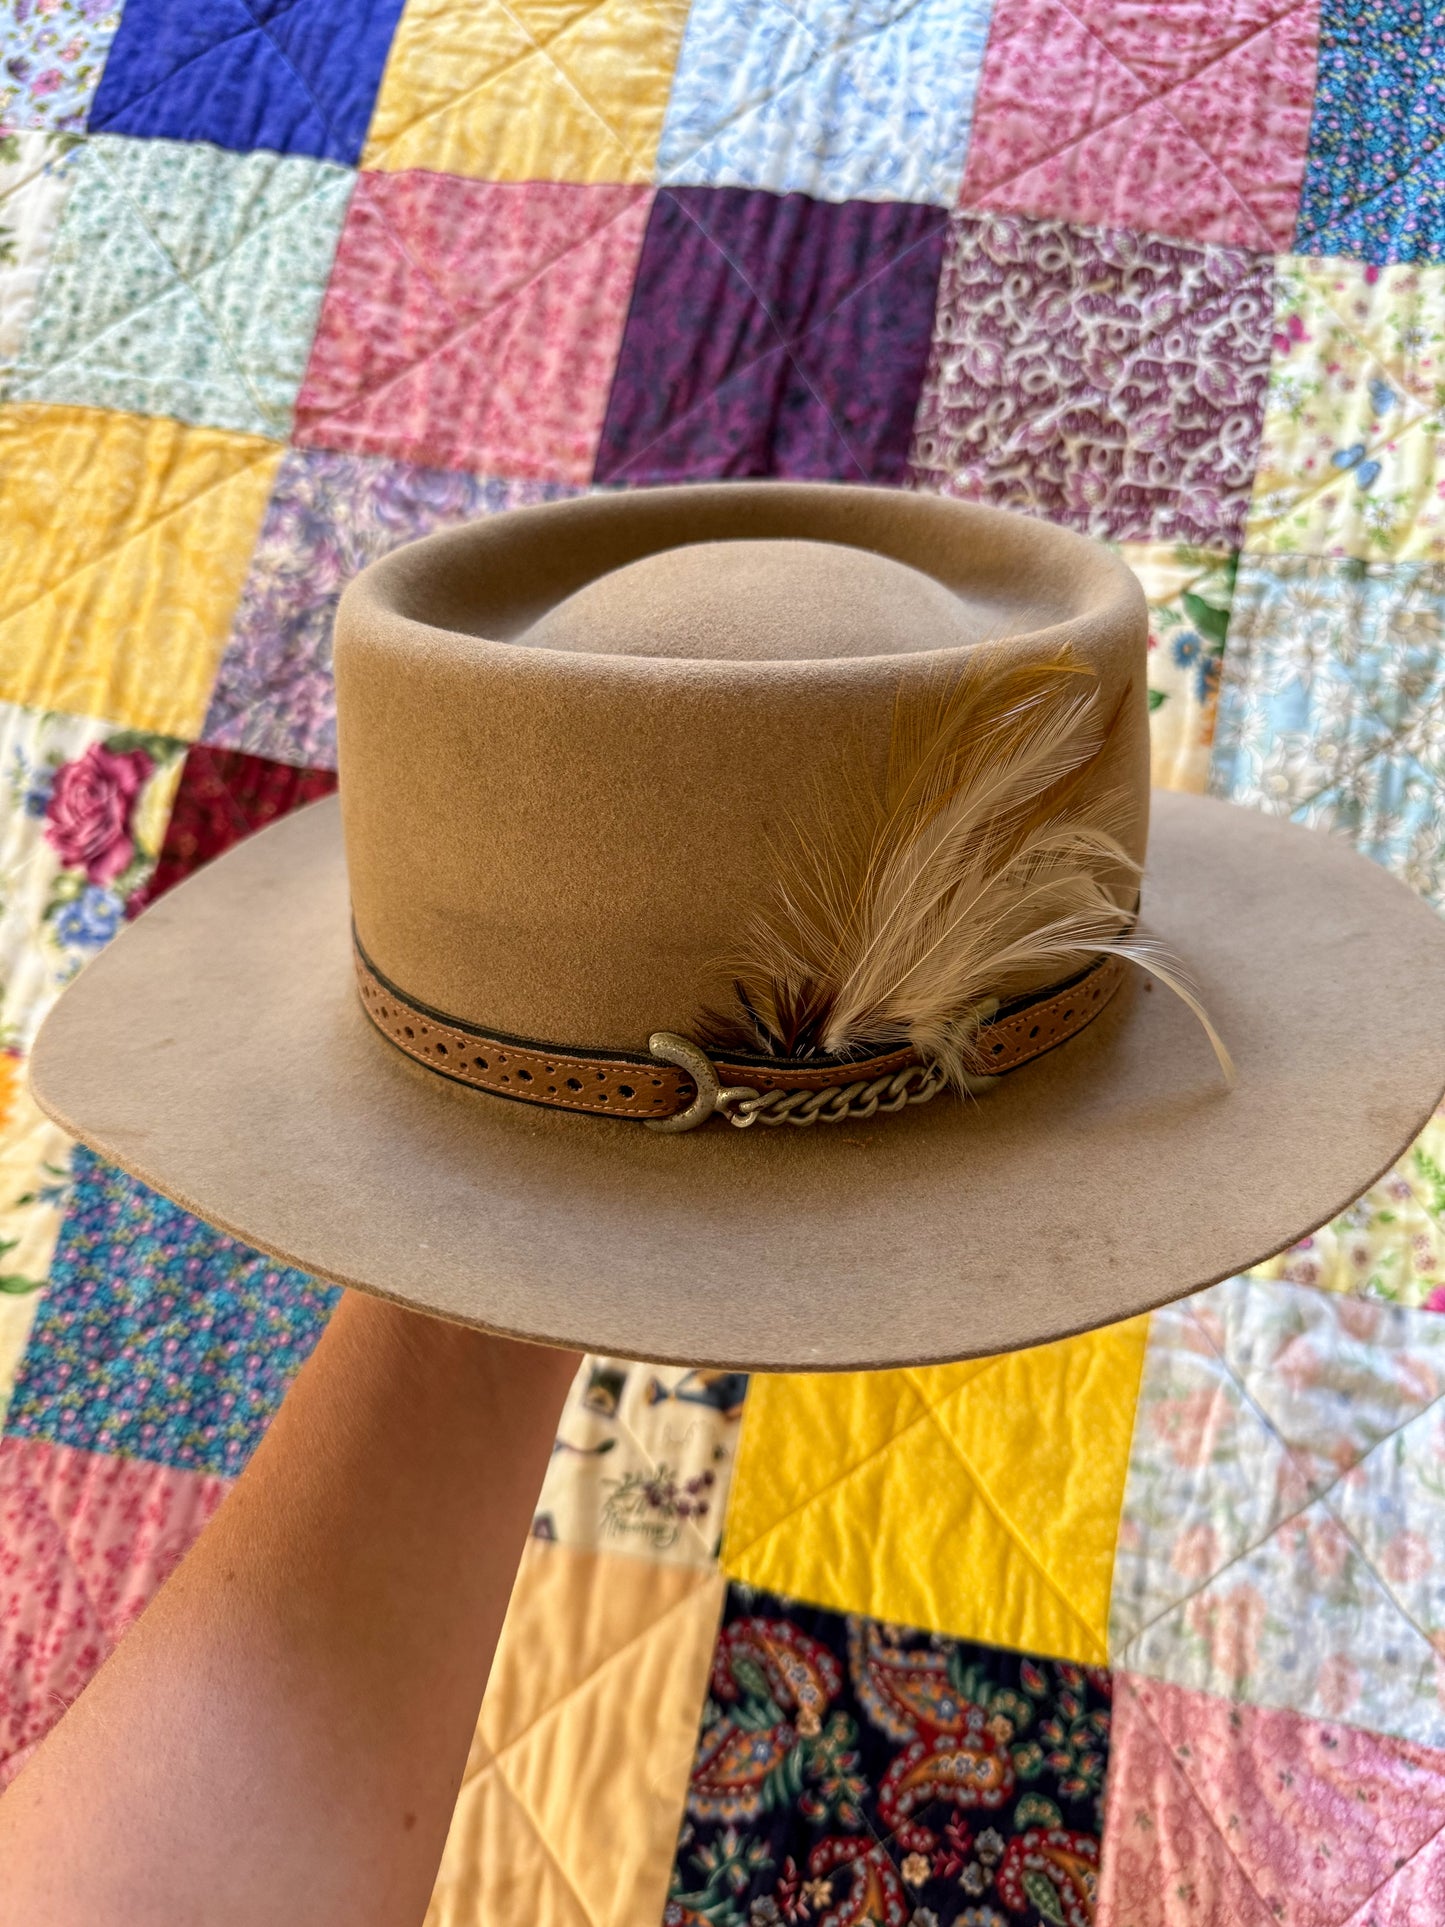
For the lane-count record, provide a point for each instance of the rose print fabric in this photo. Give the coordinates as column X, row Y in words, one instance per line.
column 1104, row 380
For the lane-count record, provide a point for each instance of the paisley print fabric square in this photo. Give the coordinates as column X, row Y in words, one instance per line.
column 642, row 1461
column 85, row 1541
column 850, row 1770
column 294, row 76
column 772, row 336
column 1108, row 381
column 35, row 175
column 1283, row 1519
column 1375, row 185
column 1189, row 592
column 1351, row 459
column 329, row 516
column 1188, row 120
column 159, row 1337
column 122, row 527
column 224, row 795
column 1235, row 1813
column 474, row 325
column 185, row 282
column 52, row 53
column 1330, row 709
column 833, row 99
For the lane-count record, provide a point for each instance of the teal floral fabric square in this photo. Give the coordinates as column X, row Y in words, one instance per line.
column 1334, row 686
column 52, row 54
column 185, row 281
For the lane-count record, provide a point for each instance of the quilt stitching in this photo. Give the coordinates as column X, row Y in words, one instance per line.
column 1152, row 100
column 1002, row 1518
column 295, row 72
column 266, row 453
column 783, row 346
column 370, row 393
column 215, row 46
column 542, row 47
column 821, row 51
column 539, row 1834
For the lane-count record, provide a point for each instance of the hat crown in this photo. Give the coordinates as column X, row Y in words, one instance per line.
column 760, row 601
column 560, row 821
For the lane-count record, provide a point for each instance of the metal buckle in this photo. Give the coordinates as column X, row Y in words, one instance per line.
column 669, row 1048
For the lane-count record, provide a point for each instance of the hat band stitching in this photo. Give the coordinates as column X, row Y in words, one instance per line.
column 649, row 1088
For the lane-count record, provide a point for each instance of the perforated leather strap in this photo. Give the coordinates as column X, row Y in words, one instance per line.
column 640, row 1086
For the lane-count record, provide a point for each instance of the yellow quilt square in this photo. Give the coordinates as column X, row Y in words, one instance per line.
column 574, row 1790
column 534, row 90
column 126, row 542
column 978, row 1500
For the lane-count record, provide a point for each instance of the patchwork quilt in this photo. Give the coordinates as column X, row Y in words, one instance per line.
column 1146, row 1628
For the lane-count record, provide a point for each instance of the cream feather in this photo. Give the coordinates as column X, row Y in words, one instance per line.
column 987, row 867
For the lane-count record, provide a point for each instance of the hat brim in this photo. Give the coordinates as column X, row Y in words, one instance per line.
column 217, row 1051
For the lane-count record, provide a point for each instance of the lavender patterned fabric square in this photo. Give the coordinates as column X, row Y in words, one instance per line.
column 1096, row 376
column 328, row 517
column 773, row 335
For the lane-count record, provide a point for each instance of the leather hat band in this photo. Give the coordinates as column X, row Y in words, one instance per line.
column 674, row 1085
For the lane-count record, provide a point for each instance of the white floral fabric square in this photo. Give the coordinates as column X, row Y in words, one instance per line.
column 35, row 175
column 1283, row 1532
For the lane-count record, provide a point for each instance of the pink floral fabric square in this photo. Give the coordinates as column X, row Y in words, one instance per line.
column 1190, row 120
column 1096, row 377
column 1256, row 1818
column 474, row 325
column 85, row 1541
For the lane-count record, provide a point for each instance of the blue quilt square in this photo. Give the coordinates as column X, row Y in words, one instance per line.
column 159, row 1337
column 292, row 76
column 1374, row 185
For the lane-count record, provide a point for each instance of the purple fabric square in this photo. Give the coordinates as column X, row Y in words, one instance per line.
column 328, row 517
column 773, row 335
column 1098, row 377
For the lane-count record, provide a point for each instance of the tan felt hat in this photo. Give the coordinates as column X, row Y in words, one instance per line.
column 731, row 947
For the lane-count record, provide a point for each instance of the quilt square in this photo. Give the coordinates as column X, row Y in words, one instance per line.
column 473, row 325
column 224, row 795
column 35, row 175
column 51, row 57
column 528, row 90
column 1189, row 592
column 85, row 1543
column 1283, row 1519
column 773, row 336
column 1106, row 380
column 1373, row 186
column 642, row 1461
column 849, row 1770
column 1351, row 460
column 122, row 527
column 1330, row 709
column 159, row 1337
column 185, row 281
column 328, row 517
column 34, row 1189
column 293, row 76
column 1252, row 1816
column 961, row 1498
column 1388, row 1244
column 85, row 809
column 840, row 101
column 573, row 1792
column 1189, row 120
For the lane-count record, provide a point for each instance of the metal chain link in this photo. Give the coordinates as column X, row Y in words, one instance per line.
column 837, row 1105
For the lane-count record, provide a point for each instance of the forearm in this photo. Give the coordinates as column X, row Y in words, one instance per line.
column 283, row 1734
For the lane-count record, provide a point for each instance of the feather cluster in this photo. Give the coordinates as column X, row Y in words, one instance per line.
column 988, row 866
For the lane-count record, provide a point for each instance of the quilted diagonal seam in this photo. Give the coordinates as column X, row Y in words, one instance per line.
column 294, row 71
column 1154, row 100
